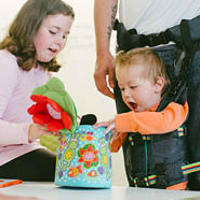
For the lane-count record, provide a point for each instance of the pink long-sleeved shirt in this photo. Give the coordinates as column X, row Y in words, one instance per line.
column 15, row 90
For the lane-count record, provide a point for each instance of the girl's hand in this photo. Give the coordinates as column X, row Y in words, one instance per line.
column 36, row 131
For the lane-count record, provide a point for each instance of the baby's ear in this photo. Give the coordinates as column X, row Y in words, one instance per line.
column 159, row 84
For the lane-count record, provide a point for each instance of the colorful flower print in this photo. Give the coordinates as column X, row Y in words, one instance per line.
column 63, row 142
column 69, row 154
column 101, row 170
column 105, row 159
column 88, row 137
column 74, row 171
column 60, row 174
column 92, row 173
column 88, row 155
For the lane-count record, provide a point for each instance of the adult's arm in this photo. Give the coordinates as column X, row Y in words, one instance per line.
column 104, row 16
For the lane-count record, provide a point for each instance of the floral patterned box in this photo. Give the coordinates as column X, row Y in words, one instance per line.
column 84, row 159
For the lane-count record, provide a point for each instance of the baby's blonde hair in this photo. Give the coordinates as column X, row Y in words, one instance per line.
column 150, row 63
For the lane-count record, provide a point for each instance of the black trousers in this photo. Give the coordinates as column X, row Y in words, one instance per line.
column 38, row 165
column 168, row 54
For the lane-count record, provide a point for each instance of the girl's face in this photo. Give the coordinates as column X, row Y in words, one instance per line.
column 52, row 36
column 139, row 94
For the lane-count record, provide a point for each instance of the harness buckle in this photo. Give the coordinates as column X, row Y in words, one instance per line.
column 145, row 181
column 140, row 182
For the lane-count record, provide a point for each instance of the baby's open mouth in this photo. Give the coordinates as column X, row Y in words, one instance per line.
column 133, row 105
column 53, row 50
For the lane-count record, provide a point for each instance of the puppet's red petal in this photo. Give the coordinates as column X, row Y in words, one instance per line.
column 39, row 98
column 41, row 119
column 67, row 121
column 36, row 108
column 55, row 125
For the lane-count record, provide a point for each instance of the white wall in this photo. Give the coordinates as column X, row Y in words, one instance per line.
column 78, row 61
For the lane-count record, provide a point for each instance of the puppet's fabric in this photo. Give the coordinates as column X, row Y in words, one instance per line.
column 51, row 142
column 53, row 108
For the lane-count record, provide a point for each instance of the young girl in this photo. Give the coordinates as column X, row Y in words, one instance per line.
column 27, row 56
column 154, row 150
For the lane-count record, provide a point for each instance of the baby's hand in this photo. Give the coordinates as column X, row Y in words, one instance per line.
column 110, row 126
column 36, row 131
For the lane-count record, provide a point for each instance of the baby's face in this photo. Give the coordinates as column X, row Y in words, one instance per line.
column 138, row 93
column 51, row 36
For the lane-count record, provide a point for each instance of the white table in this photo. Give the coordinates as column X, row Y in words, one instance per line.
column 49, row 191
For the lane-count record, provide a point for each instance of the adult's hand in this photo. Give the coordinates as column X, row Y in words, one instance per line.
column 104, row 69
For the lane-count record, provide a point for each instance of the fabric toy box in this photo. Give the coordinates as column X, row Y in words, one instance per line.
column 83, row 159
